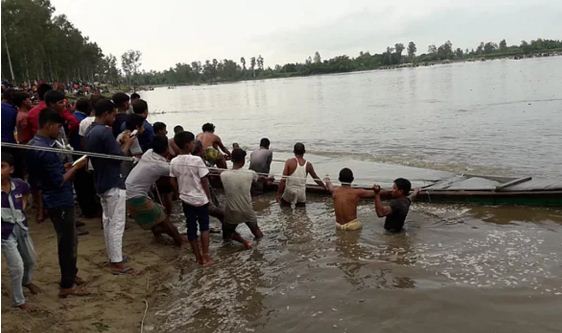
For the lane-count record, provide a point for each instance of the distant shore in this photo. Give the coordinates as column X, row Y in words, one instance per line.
column 558, row 53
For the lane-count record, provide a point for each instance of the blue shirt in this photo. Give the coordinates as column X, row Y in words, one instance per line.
column 75, row 141
column 146, row 138
column 12, row 207
column 107, row 172
column 46, row 170
column 9, row 115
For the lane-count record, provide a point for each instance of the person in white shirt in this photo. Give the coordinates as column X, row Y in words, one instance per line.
column 191, row 179
column 237, row 183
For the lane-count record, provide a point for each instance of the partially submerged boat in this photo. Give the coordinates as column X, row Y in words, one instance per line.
column 488, row 190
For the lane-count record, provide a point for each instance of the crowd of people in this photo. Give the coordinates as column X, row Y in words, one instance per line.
column 136, row 170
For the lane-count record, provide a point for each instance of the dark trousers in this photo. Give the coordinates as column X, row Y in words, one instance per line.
column 63, row 221
column 194, row 214
column 88, row 201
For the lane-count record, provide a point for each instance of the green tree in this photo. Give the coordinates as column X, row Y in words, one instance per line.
column 259, row 61
column 459, row 54
column 398, row 48
column 490, row 47
column 317, row 58
column 432, row 49
column 445, row 51
column 37, row 45
column 412, row 51
column 130, row 62
column 503, row 45
column 109, row 71
column 243, row 62
column 253, row 66
column 480, row 48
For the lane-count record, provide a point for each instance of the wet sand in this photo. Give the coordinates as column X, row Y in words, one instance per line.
column 117, row 302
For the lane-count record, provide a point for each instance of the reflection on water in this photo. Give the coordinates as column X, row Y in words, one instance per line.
column 307, row 276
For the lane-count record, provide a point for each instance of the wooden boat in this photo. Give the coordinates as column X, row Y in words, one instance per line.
column 487, row 190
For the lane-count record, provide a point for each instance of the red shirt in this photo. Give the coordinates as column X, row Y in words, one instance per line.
column 71, row 124
column 33, row 116
column 24, row 127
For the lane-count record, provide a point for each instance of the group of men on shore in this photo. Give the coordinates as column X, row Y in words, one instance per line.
column 118, row 128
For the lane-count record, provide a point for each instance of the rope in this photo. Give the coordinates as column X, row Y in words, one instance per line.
column 67, row 151
column 146, row 305
column 213, row 170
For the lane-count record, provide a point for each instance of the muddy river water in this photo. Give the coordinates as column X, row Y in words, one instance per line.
column 457, row 268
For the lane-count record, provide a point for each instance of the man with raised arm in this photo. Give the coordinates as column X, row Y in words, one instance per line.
column 292, row 187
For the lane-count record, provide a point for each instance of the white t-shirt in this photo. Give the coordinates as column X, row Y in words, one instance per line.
column 189, row 170
column 150, row 168
column 84, row 124
column 237, row 184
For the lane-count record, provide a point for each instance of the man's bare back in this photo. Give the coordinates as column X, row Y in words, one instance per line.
column 209, row 139
column 346, row 200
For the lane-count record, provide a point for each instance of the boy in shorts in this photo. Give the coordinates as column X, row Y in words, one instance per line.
column 191, row 178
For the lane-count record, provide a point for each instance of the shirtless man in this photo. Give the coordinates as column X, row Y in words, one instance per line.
column 346, row 199
column 212, row 146
column 292, row 187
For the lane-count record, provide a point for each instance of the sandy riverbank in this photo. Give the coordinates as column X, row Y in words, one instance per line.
column 117, row 302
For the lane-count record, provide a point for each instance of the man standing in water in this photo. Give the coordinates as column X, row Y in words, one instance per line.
column 260, row 162
column 238, row 208
column 192, row 181
column 399, row 205
column 292, row 187
column 212, row 146
column 346, row 199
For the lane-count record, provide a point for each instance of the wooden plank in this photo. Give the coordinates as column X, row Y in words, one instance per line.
column 513, row 182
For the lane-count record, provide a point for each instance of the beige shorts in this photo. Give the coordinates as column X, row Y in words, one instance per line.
column 350, row 226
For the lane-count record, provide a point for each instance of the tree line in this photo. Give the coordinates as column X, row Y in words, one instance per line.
column 37, row 45
column 228, row 70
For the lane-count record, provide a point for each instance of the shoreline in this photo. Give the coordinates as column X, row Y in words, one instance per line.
column 117, row 303
column 145, row 87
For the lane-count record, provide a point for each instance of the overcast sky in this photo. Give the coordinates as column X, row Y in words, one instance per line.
column 172, row 31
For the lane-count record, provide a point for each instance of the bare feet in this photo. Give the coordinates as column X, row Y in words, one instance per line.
column 184, row 242
column 33, row 288
column 27, row 307
column 121, row 269
column 206, row 260
column 74, row 291
column 247, row 244
column 79, row 281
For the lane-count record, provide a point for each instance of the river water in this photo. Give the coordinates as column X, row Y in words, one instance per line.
column 457, row 268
